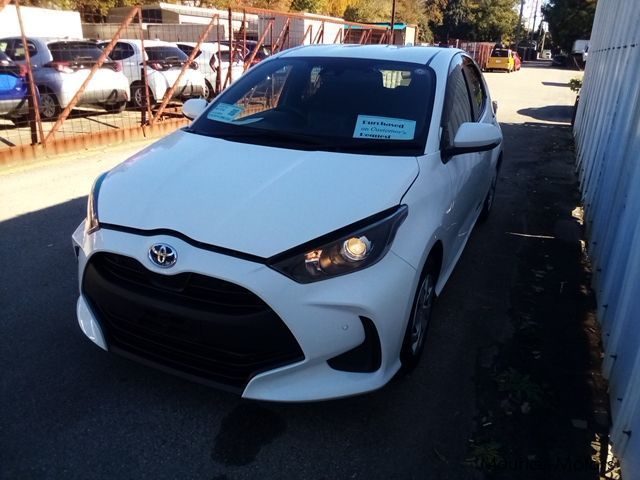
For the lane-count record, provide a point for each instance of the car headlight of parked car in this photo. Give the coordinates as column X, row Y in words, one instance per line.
column 349, row 249
column 92, row 223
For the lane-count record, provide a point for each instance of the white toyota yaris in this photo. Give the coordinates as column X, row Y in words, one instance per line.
column 289, row 244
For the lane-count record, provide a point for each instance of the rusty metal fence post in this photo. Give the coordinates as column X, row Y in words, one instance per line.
column 35, row 122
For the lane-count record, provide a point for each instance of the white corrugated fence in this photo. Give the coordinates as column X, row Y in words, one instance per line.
column 607, row 132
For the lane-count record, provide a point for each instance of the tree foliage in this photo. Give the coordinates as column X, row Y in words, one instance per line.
column 311, row 6
column 569, row 20
column 480, row 20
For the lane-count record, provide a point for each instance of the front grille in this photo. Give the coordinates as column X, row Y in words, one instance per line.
column 201, row 326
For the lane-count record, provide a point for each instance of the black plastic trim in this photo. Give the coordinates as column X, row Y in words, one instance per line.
column 453, row 151
column 366, row 357
column 194, row 243
column 201, row 326
column 336, row 234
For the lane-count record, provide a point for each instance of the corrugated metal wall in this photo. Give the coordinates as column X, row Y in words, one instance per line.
column 607, row 132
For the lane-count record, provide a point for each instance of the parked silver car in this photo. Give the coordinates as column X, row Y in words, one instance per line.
column 60, row 66
column 164, row 63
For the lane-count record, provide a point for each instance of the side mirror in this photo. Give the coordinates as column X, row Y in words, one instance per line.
column 475, row 137
column 494, row 104
column 194, row 107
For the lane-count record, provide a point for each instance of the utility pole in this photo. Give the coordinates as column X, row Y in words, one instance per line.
column 393, row 22
column 519, row 23
column 535, row 19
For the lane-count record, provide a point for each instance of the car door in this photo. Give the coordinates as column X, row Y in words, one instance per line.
column 482, row 113
column 468, row 172
column 124, row 53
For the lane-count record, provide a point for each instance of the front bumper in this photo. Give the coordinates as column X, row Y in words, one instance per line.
column 14, row 107
column 325, row 318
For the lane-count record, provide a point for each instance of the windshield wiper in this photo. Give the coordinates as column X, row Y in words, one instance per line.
column 376, row 145
column 264, row 134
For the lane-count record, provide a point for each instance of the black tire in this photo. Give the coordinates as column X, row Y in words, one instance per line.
column 114, row 107
column 209, row 92
column 420, row 318
column 488, row 200
column 137, row 96
column 49, row 105
column 21, row 121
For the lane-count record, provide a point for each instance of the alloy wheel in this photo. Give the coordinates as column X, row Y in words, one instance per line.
column 422, row 313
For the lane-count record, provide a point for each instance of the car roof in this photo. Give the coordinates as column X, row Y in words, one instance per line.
column 206, row 46
column 147, row 43
column 48, row 40
column 399, row 53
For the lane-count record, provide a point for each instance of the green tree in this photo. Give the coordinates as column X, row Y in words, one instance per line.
column 569, row 20
column 311, row 6
column 494, row 20
column 368, row 11
column 456, row 22
column 480, row 20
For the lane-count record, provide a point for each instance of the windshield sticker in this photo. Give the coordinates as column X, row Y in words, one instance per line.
column 224, row 112
column 384, row 128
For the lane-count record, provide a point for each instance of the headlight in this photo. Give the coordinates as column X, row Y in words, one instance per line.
column 92, row 224
column 351, row 248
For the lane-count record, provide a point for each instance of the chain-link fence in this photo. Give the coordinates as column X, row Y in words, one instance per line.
column 129, row 76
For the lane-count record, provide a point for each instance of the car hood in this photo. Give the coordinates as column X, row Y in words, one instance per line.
column 249, row 198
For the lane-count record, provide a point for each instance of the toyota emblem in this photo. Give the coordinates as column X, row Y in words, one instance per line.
column 163, row 255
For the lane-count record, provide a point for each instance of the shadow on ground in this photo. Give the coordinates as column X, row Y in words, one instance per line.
column 543, row 406
column 550, row 113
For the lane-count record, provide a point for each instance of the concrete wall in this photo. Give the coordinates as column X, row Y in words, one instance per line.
column 40, row 22
column 607, row 132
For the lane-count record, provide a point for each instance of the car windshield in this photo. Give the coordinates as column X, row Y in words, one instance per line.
column 331, row 104
column 500, row 53
column 74, row 51
column 165, row 53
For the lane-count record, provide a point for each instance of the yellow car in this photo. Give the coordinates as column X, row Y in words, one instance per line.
column 501, row 59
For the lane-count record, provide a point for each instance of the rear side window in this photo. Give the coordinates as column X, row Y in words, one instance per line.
column 74, row 51
column 476, row 88
column 120, row 51
column 164, row 54
column 15, row 50
column 187, row 49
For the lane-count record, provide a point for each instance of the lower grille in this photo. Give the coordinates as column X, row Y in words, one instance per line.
column 197, row 325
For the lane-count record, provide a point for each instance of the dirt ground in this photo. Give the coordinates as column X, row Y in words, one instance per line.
column 542, row 405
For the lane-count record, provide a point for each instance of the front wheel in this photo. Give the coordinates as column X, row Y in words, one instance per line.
column 421, row 311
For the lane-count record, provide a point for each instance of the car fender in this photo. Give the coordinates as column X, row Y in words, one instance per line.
column 427, row 223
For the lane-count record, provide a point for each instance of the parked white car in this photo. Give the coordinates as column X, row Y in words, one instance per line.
column 210, row 56
column 290, row 243
column 164, row 62
column 60, row 66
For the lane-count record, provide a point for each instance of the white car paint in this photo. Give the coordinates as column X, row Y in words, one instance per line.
column 250, row 202
column 209, row 60
column 191, row 84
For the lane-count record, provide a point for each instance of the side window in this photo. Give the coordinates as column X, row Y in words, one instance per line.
column 476, row 89
column 120, row 51
column 16, row 50
column 457, row 108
